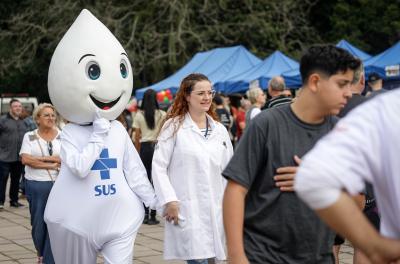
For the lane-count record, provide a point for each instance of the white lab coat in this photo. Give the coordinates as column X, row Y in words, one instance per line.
column 187, row 168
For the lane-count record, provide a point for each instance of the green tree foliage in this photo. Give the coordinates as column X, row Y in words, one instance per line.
column 162, row 35
column 371, row 25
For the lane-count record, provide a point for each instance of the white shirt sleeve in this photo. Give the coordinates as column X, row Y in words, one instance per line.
column 343, row 160
column 79, row 162
column 161, row 161
column 136, row 175
column 26, row 147
column 255, row 111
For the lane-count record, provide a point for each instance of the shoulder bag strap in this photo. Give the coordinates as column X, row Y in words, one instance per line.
column 41, row 150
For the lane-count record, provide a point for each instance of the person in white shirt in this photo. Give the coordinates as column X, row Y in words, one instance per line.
column 363, row 147
column 257, row 99
column 40, row 153
column 192, row 150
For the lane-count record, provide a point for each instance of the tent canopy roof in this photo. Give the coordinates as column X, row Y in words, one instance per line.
column 273, row 65
column 293, row 78
column 217, row 64
column 378, row 63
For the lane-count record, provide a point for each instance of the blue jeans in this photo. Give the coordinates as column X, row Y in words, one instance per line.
column 197, row 261
column 37, row 193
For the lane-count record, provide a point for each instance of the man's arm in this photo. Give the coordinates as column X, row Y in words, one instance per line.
column 345, row 217
column 233, row 212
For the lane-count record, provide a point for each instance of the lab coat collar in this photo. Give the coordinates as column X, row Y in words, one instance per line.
column 189, row 123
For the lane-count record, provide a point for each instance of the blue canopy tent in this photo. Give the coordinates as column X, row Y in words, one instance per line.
column 273, row 65
column 353, row 50
column 293, row 78
column 218, row 64
column 386, row 64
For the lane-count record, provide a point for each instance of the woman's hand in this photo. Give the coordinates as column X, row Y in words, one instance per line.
column 54, row 166
column 171, row 212
column 51, row 159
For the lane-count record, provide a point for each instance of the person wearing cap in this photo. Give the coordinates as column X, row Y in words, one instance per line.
column 376, row 83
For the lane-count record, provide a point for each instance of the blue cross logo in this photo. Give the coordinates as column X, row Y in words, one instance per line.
column 104, row 164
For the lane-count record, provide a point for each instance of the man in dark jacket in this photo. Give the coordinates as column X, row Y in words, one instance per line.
column 12, row 130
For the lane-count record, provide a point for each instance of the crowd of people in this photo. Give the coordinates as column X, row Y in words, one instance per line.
column 239, row 178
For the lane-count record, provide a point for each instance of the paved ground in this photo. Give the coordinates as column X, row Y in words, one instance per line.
column 16, row 244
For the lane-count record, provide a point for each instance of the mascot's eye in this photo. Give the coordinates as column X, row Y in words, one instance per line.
column 93, row 70
column 123, row 68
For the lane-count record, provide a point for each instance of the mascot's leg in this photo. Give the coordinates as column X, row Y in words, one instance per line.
column 120, row 250
column 69, row 247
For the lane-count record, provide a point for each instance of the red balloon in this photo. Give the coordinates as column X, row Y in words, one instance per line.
column 160, row 97
column 168, row 91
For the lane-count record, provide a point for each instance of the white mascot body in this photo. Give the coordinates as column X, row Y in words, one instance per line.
column 96, row 203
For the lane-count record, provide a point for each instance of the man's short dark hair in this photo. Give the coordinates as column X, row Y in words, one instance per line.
column 13, row 101
column 218, row 100
column 327, row 60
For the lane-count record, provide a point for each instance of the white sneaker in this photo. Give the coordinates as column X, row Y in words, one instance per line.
column 1, row 206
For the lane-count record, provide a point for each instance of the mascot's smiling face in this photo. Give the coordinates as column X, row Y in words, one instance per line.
column 89, row 72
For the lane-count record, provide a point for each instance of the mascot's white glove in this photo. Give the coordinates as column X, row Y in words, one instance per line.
column 101, row 126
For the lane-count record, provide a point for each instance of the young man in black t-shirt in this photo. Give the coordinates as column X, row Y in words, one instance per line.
column 264, row 220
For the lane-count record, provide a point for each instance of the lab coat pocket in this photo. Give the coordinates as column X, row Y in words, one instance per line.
column 218, row 149
column 183, row 230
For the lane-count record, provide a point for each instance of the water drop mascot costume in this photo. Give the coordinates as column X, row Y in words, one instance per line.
column 96, row 203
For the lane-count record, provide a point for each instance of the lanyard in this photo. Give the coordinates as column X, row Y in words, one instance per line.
column 205, row 134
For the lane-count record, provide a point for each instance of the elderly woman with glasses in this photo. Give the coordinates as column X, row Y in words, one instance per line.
column 40, row 154
column 192, row 150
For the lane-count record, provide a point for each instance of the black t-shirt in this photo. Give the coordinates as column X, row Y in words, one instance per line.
column 224, row 117
column 278, row 226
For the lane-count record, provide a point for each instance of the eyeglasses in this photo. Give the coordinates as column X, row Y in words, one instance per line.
column 52, row 116
column 210, row 93
column 50, row 148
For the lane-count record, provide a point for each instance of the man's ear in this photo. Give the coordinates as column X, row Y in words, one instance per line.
column 313, row 82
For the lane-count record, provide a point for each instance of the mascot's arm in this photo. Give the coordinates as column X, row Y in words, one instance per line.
column 81, row 161
column 136, row 175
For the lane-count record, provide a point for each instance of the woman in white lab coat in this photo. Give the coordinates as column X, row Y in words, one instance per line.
column 192, row 150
